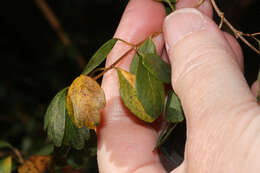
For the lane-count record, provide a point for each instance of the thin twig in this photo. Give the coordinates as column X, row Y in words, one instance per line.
column 238, row 34
column 57, row 27
column 221, row 20
column 126, row 42
column 18, row 154
column 114, row 64
column 251, row 35
column 133, row 47
column 199, row 3
column 97, row 70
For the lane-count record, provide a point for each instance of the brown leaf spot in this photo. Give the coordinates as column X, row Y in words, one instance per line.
column 84, row 102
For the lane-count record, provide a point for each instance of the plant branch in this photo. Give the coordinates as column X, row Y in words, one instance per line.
column 237, row 33
column 199, row 3
column 18, row 154
column 114, row 64
column 57, row 27
column 251, row 35
column 133, row 47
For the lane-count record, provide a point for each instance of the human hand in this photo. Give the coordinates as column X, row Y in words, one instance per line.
column 221, row 112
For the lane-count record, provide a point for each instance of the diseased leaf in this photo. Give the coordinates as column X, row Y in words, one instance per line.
column 74, row 136
column 128, row 95
column 37, row 164
column 54, row 121
column 174, row 112
column 6, row 165
column 4, row 144
column 148, row 47
column 100, row 56
column 258, row 96
column 84, row 102
column 149, row 91
column 157, row 67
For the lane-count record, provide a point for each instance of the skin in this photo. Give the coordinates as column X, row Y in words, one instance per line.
column 207, row 74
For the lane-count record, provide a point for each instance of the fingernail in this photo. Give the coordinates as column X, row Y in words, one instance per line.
column 182, row 23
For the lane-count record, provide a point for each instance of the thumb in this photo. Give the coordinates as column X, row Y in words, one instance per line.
column 216, row 99
column 205, row 74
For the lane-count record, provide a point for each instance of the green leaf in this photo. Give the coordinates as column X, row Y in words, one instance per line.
column 100, row 56
column 45, row 151
column 6, row 165
column 170, row 5
column 148, row 47
column 157, row 67
column 134, row 63
column 165, row 133
column 54, row 121
column 258, row 41
column 74, row 136
column 173, row 115
column 174, row 112
column 128, row 95
column 4, row 144
column 149, row 91
column 258, row 96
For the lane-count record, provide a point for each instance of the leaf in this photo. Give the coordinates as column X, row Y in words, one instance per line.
column 165, row 133
column 148, row 47
column 157, row 67
column 149, row 91
column 84, row 102
column 4, row 144
column 170, row 5
column 6, row 165
column 54, row 121
column 128, row 95
column 258, row 41
column 258, row 96
column 174, row 112
column 74, row 136
column 134, row 63
column 37, row 164
column 100, row 56
column 46, row 150
column 173, row 115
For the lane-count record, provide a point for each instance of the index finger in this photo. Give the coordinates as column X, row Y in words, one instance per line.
column 125, row 144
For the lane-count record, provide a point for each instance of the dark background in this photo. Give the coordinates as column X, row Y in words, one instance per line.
column 35, row 65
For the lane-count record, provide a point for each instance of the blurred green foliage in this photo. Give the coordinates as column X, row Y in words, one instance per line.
column 35, row 65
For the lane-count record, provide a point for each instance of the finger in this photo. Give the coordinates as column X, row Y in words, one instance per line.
column 138, row 22
column 180, row 169
column 211, row 86
column 125, row 144
column 236, row 49
column 255, row 88
column 205, row 7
